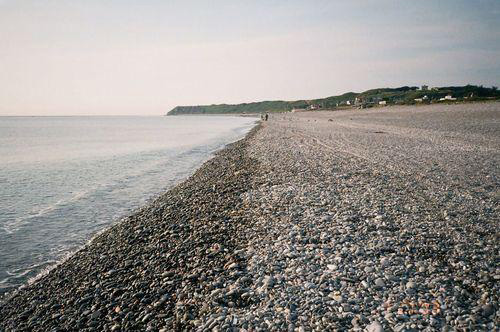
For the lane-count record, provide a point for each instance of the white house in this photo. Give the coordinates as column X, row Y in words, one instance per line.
column 382, row 102
column 447, row 98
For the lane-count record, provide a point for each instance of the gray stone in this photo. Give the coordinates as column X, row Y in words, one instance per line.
column 379, row 283
column 375, row 327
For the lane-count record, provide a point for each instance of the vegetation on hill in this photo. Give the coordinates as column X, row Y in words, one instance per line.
column 401, row 95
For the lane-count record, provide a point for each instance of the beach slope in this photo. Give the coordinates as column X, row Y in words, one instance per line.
column 379, row 219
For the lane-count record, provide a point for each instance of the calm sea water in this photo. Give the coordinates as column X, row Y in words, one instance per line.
column 62, row 179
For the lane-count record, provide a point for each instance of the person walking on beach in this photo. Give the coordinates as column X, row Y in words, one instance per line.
column 266, row 117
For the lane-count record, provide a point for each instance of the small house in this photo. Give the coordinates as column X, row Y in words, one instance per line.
column 447, row 98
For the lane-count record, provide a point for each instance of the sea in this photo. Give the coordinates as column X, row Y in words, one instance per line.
column 64, row 179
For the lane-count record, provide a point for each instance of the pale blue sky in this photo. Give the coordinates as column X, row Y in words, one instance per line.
column 145, row 57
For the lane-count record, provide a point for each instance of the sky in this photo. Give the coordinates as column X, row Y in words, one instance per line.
column 144, row 57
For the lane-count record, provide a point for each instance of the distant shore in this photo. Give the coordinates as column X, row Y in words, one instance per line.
column 340, row 220
column 405, row 95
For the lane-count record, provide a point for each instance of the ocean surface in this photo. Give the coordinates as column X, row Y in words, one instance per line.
column 63, row 179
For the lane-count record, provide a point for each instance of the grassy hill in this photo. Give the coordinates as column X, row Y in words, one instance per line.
column 401, row 95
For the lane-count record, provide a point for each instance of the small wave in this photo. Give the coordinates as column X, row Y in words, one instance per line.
column 51, row 264
column 12, row 226
column 21, row 273
column 63, row 258
column 17, row 276
column 24, row 270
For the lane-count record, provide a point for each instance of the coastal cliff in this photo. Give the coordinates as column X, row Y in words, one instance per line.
column 382, row 96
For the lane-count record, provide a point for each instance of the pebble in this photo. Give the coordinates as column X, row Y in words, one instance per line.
column 379, row 282
column 410, row 284
column 488, row 310
column 374, row 327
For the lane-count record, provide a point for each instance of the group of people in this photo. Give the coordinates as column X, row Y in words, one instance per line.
column 264, row 116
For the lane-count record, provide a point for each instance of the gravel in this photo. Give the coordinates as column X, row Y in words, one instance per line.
column 376, row 220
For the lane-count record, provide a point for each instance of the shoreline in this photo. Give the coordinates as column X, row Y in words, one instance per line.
column 312, row 222
column 80, row 269
column 22, row 237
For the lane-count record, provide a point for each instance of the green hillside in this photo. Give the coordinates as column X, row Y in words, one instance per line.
column 401, row 95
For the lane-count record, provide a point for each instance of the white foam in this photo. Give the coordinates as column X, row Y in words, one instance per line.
column 14, row 225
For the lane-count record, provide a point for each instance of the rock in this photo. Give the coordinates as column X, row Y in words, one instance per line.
column 410, row 285
column 384, row 262
column 375, row 327
column 268, row 282
column 233, row 266
column 346, row 307
column 96, row 314
column 488, row 310
column 369, row 269
column 379, row 283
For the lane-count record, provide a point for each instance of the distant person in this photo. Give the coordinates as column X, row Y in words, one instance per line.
column 266, row 117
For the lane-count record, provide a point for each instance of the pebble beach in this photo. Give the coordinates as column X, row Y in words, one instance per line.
column 383, row 219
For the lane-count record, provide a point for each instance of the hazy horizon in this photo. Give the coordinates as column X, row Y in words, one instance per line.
column 146, row 57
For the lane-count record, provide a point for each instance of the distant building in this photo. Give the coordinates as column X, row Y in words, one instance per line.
column 348, row 102
column 382, row 102
column 424, row 87
column 447, row 98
